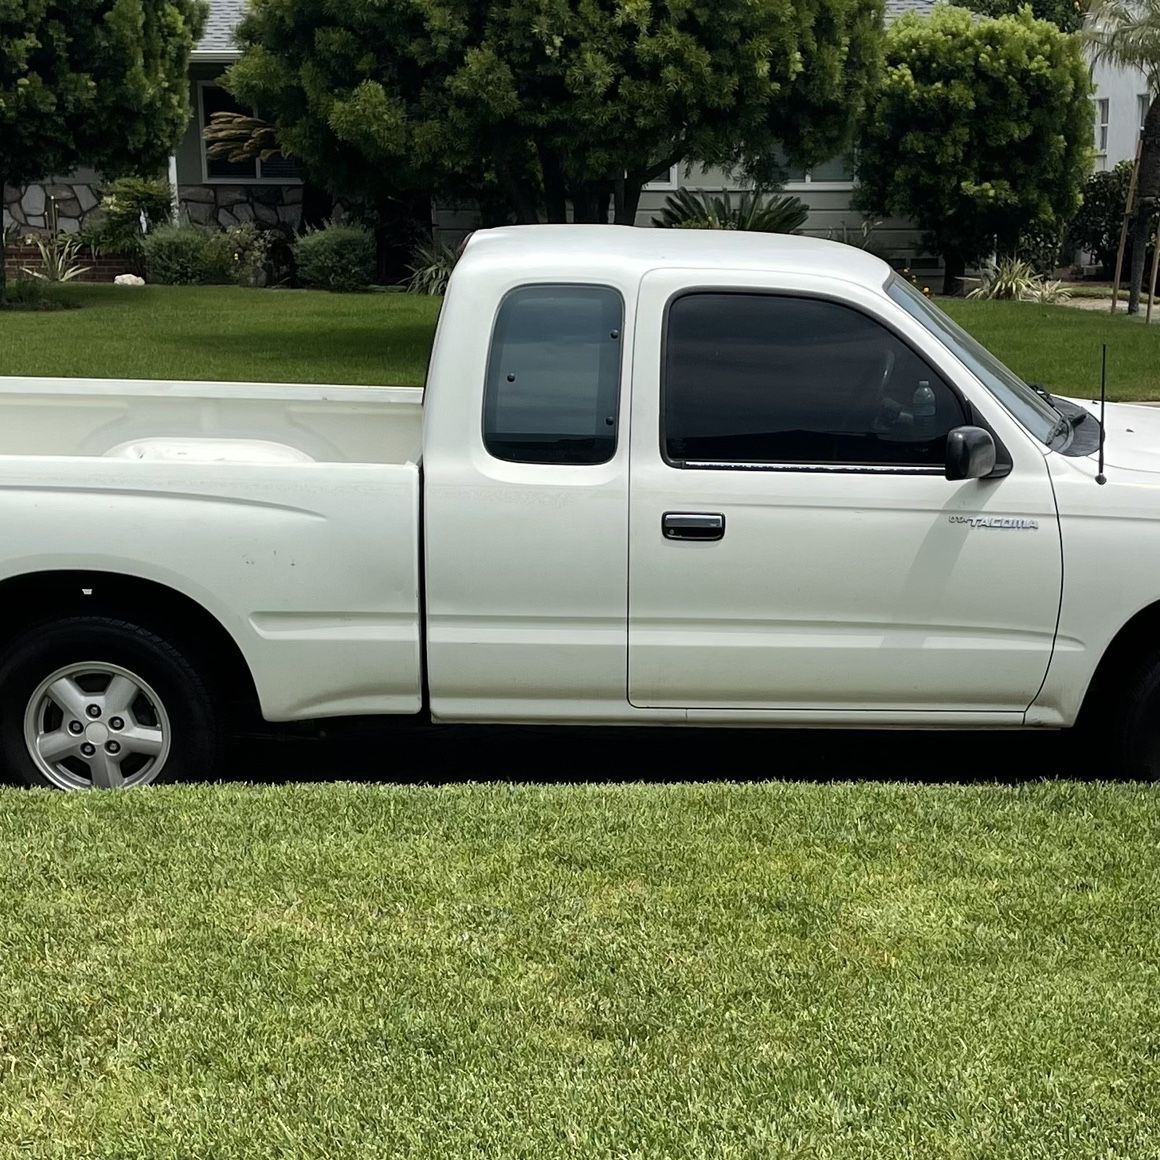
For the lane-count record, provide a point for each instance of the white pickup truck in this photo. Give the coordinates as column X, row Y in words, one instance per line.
column 656, row 477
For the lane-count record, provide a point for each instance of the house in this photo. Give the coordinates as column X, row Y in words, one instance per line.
column 209, row 191
column 1121, row 102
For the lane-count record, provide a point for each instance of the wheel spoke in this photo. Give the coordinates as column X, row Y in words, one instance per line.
column 142, row 739
column 71, row 698
column 120, row 694
column 105, row 771
column 58, row 745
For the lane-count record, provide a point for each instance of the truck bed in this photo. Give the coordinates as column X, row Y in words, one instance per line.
column 291, row 514
column 326, row 424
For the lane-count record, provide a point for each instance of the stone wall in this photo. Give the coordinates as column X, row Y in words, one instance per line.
column 231, row 205
column 31, row 207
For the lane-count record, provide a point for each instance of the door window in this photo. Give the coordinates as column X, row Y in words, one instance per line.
column 553, row 375
column 763, row 379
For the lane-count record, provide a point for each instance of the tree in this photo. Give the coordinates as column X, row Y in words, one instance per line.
column 1067, row 14
column 980, row 129
column 1127, row 34
column 553, row 101
column 102, row 83
column 1096, row 227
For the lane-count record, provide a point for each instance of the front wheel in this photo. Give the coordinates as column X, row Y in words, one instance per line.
column 99, row 703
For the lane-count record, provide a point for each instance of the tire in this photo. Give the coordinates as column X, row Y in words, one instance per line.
column 96, row 702
column 1135, row 723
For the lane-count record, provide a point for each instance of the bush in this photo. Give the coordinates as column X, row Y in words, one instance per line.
column 32, row 294
column 696, row 210
column 123, row 203
column 1096, row 226
column 1015, row 280
column 260, row 255
column 187, row 256
column 431, row 266
column 336, row 257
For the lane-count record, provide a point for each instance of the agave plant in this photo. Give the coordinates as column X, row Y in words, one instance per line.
column 431, row 266
column 689, row 209
column 57, row 260
column 1016, row 280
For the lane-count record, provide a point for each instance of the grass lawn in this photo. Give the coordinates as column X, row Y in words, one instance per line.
column 777, row 970
column 226, row 333
column 1060, row 346
column 298, row 336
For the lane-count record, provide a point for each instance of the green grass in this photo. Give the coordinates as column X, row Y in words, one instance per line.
column 778, row 970
column 227, row 333
column 1060, row 346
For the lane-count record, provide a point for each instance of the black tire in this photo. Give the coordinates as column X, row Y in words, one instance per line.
column 1134, row 718
column 195, row 734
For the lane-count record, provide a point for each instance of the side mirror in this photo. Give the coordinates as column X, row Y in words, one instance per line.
column 970, row 453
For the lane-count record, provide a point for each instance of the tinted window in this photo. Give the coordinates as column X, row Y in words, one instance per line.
column 755, row 378
column 553, row 375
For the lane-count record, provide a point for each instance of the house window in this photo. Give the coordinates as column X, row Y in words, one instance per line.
column 1102, row 126
column 669, row 180
column 1143, row 104
column 214, row 99
column 838, row 171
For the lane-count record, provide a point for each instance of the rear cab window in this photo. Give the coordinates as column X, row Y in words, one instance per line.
column 553, row 375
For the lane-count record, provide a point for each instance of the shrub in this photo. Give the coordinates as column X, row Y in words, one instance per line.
column 124, row 203
column 431, row 266
column 260, row 256
column 1096, row 225
column 32, row 294
column 187, row 256
column 695, row 210
column 336, row 257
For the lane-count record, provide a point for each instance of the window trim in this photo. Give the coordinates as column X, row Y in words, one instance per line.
column 617, row 400
column 970, row 417
column 669, row 183
column 203, row 146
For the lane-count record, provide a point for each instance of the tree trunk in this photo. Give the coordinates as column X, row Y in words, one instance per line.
column 555, row 195
column 627, row 201
column 1147, row 193
column 1141, row 228
column 3, row 245
column 954, row 267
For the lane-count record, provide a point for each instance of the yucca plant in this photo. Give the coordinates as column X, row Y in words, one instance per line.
column 57, row 259
column 431, row 266
column 689, row 209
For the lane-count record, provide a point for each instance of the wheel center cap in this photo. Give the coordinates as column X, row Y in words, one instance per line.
column 96, row 732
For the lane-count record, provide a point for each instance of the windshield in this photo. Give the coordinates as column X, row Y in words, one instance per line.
column 1026, row 405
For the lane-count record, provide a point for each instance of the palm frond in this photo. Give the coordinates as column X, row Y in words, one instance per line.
column 1126, row 34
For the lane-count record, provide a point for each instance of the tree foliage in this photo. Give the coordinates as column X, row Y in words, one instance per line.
column 980, row 129
column 1067, row 14
column 1126, row 33
column 554, row 101
column 102, row 83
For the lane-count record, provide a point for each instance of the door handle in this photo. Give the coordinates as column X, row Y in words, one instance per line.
column 693, row 525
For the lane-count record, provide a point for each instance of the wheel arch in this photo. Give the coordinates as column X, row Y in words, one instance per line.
column 33, row 597
column 1137, row 639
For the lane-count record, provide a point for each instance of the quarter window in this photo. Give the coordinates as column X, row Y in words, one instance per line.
column 768, row 379
column 553, row 375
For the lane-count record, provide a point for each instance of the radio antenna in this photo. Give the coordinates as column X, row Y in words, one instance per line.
column 1100, row 477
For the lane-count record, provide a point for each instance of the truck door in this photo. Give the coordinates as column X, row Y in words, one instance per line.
column 793, row 542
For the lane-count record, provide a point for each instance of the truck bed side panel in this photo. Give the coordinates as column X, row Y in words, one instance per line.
column 312, row 568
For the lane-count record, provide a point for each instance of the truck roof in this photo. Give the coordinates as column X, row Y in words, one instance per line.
column 596, row 249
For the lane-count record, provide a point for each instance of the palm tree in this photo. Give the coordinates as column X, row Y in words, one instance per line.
column 1126, row 33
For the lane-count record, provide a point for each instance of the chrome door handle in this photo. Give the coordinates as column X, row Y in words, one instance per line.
column 693, row 525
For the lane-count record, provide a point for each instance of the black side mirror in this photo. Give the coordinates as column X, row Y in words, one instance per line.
column 970, row 453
